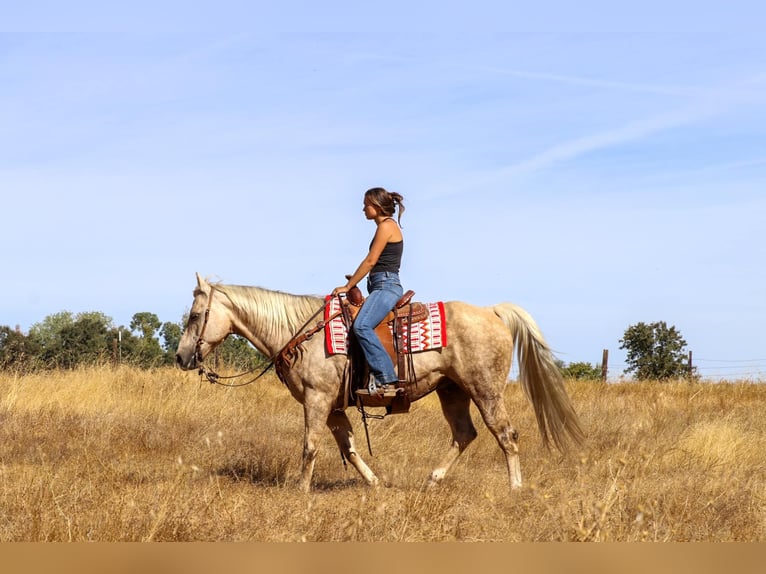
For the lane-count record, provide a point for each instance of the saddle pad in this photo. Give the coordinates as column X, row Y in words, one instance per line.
column 431, row 333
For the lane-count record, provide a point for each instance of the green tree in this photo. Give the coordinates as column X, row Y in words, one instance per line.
column 85, row 341
column 17, row 351
column 147, row 352
column 47, row 336
column 655, row 351
column 171, row 336
column 581, row 371
column 145, row 323
column 66, row 340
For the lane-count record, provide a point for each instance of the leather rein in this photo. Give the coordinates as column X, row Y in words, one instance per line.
column 282, row 359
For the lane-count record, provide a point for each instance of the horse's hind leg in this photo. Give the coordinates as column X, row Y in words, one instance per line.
column 344, row 436
column 456, row 408
column 499, row 423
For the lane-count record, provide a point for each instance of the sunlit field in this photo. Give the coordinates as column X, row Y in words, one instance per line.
column 122, row 454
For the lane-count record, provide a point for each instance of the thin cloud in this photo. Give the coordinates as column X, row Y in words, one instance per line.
column 602, row 140
column 597, row 83
column 572, row 149
column 706, row 105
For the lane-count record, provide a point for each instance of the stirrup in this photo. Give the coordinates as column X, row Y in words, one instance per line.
column 379, row 391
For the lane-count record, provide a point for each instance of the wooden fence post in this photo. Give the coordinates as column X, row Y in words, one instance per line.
column 604, row 365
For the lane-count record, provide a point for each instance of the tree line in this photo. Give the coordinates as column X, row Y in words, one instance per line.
column 66, row 340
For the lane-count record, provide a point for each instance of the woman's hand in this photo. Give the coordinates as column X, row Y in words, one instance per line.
column 341, row 289
column 344, row 288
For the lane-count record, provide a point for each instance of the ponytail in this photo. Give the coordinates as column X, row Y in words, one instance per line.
column 399, row 201
column 387, row 201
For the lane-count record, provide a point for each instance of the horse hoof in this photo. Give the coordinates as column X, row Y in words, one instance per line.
column 432, row 483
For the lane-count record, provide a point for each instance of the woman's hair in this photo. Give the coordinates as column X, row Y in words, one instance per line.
column 387, row 201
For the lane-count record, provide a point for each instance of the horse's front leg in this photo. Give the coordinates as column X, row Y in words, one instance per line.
column 316, row 409
column 344, row 436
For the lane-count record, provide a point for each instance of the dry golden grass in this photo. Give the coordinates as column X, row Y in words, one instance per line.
column 128, row 455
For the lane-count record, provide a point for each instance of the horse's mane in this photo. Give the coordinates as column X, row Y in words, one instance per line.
column 272, row 310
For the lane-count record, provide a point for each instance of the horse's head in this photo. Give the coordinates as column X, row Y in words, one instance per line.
column 209, row 324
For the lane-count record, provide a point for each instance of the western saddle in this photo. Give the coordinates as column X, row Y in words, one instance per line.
column 393, row 333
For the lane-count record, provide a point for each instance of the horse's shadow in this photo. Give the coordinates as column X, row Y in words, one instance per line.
column 267, row 476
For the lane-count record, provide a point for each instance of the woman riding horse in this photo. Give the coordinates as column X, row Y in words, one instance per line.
column 383, row 285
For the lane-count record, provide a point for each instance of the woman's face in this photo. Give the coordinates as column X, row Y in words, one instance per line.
column 370, row 211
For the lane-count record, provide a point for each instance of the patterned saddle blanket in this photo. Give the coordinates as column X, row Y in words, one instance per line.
column 424, row 333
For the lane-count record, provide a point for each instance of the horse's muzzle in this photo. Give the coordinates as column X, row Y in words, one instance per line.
column 187, row 363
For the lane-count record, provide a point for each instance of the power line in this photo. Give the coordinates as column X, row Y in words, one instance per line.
column 732, row 360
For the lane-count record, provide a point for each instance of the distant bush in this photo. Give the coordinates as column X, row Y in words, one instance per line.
column 581, row 371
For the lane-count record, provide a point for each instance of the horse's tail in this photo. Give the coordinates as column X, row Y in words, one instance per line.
column 541, row 379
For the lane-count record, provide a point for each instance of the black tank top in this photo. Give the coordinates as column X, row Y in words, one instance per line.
column 390, row 258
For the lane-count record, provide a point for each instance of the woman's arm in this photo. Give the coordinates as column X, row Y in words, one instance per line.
column 383, row 234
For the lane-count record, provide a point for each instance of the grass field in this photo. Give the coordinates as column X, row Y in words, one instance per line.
column 121, row 454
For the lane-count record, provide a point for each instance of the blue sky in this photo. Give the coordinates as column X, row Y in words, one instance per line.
column 597, row 165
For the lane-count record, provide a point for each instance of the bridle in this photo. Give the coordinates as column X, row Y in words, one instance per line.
column 200, row 340
column 282, row 359
column 209, row 374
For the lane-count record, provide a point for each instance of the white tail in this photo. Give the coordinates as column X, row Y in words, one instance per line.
column 541, row 380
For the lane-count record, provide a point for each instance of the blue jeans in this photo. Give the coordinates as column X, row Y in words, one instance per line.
column 384, row 290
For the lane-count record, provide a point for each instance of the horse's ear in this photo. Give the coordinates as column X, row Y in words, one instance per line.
column 202, row 285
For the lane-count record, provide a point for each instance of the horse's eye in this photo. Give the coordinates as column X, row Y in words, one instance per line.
column 193, row 316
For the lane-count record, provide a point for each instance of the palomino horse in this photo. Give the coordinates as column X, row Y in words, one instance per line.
column 474, row 366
